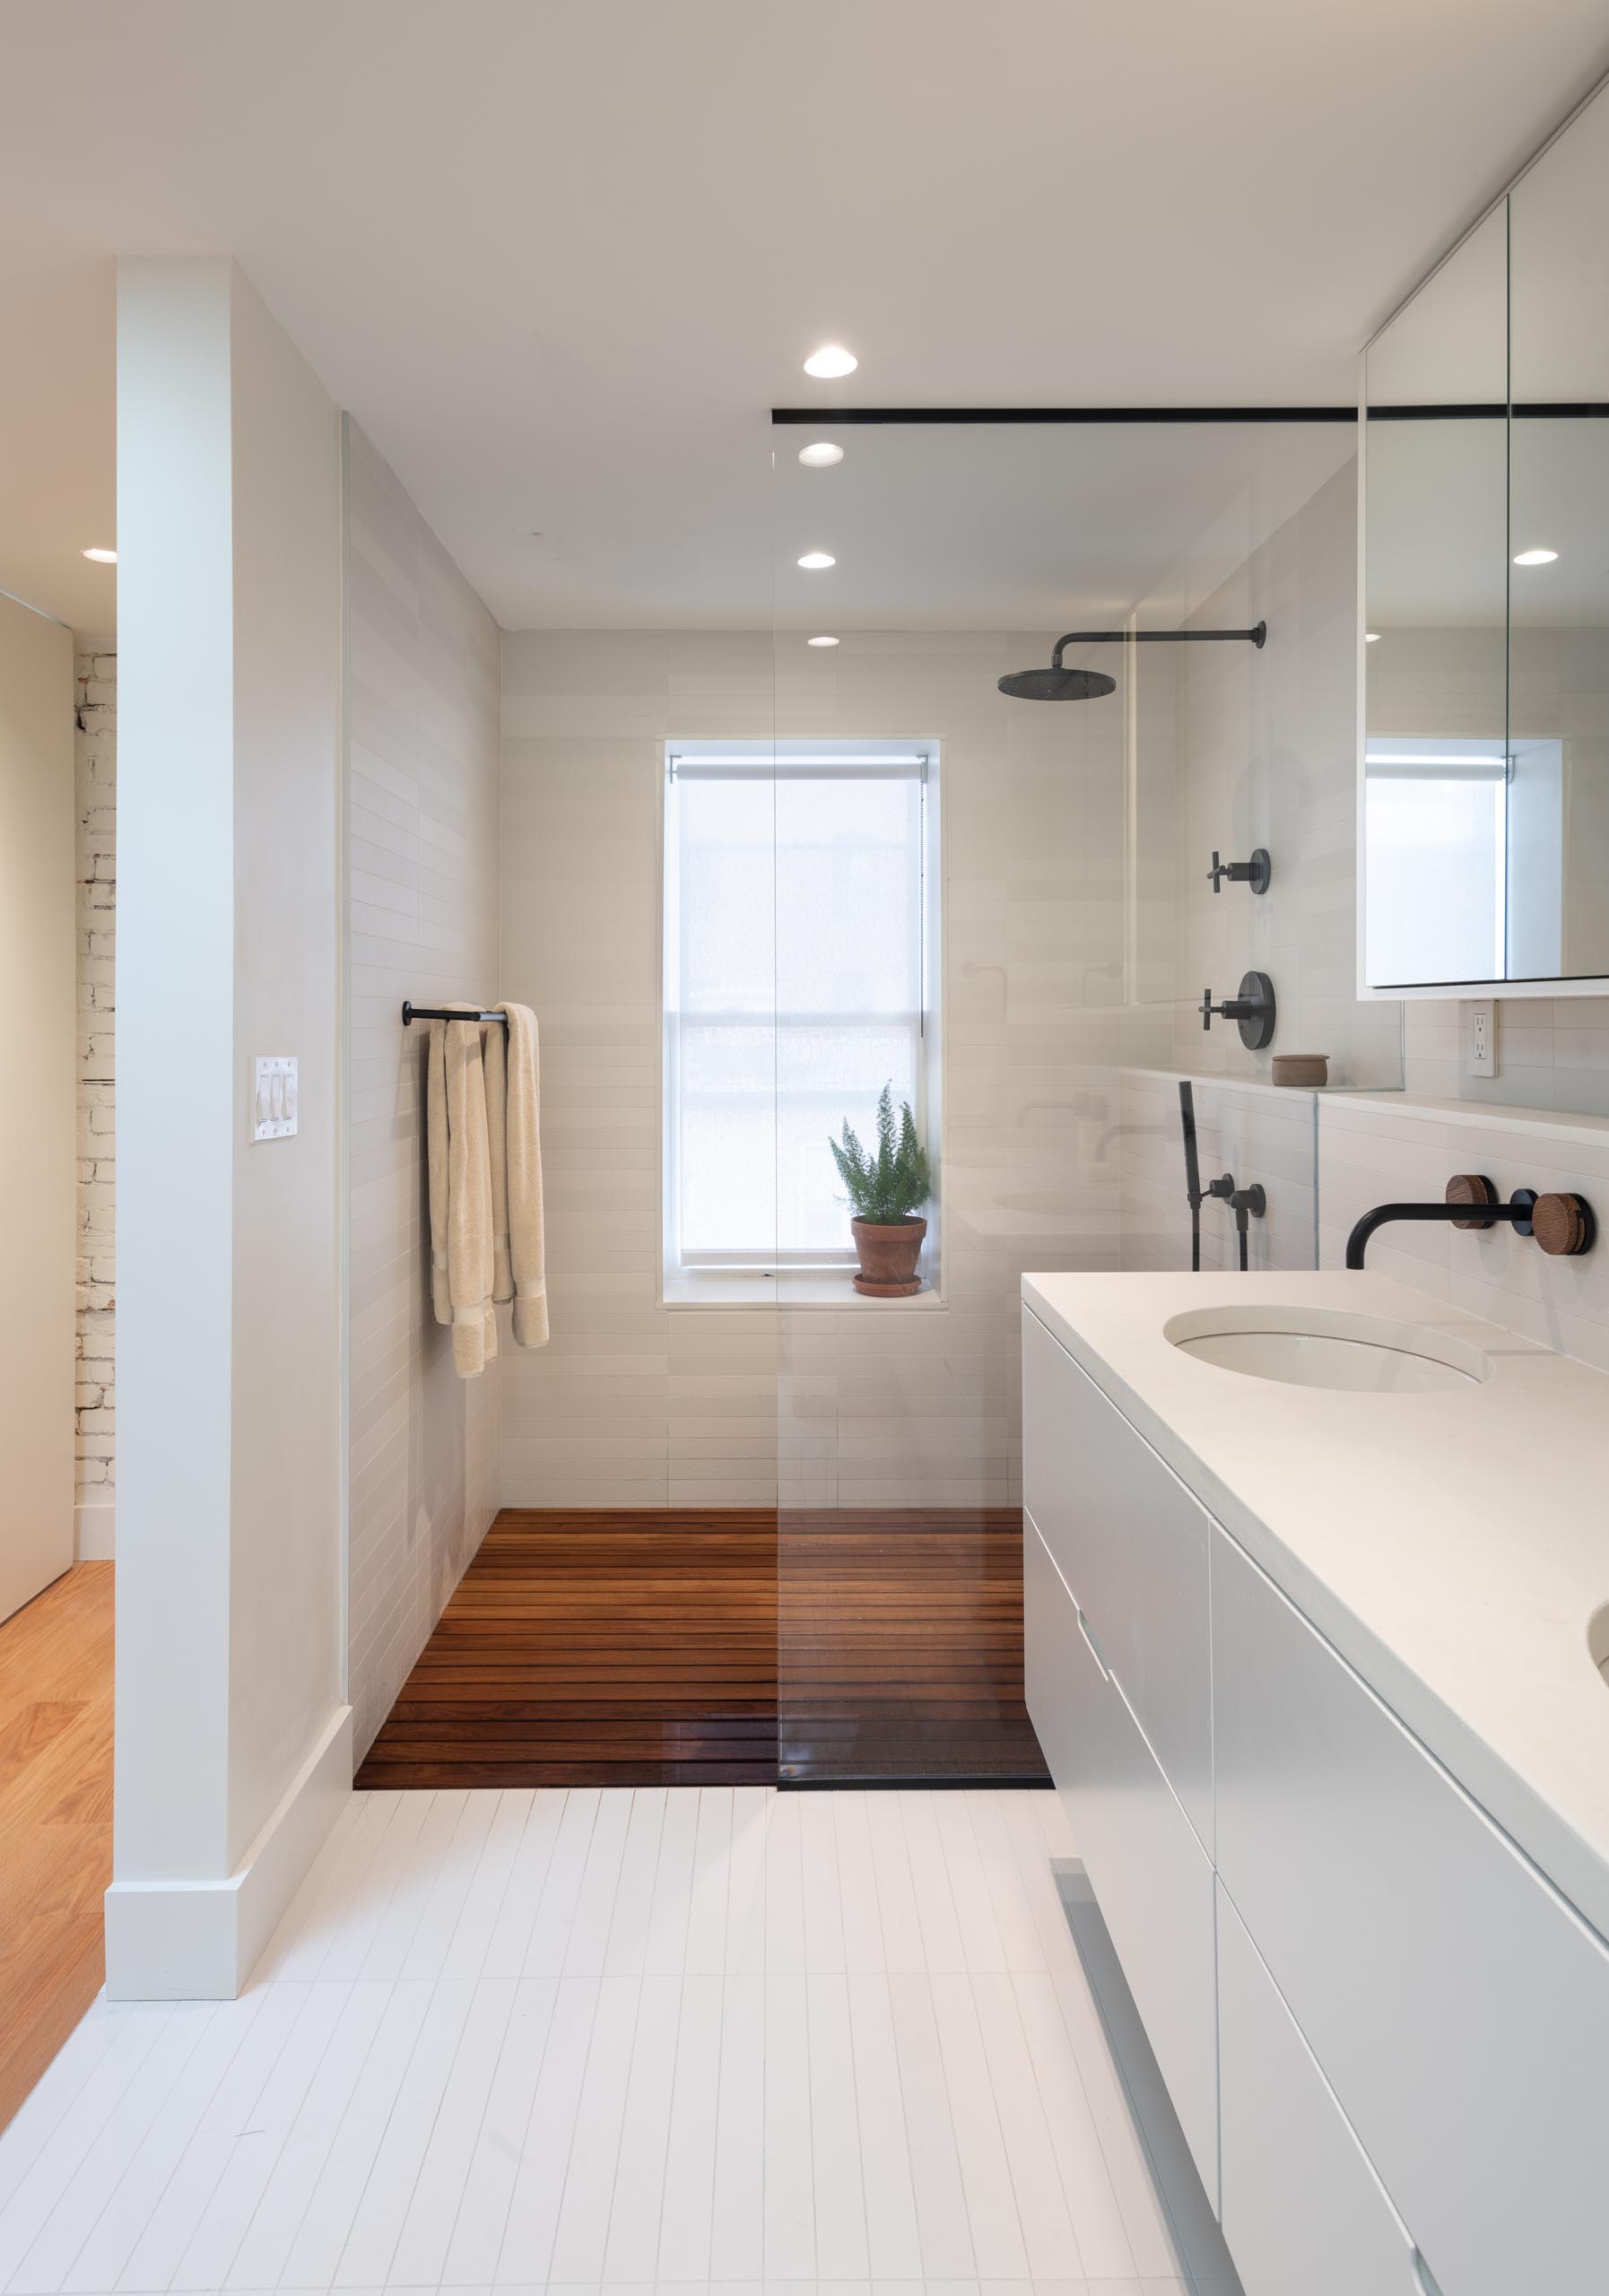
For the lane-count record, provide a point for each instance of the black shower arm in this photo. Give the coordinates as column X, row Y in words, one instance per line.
column 1256, row 636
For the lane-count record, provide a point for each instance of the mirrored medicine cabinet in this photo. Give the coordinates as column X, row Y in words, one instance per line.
column 1484, row 803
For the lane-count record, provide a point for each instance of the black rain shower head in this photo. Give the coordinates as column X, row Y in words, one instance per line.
column 1058, row 684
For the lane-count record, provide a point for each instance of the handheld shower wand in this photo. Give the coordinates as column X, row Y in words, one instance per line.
column 1246, row 1204
column 1186, row 1116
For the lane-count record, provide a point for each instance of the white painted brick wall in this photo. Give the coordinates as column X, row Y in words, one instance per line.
column 96, row 774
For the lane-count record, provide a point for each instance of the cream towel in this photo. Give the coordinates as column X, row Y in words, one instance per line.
column 435, row 1150
column 494, row 1053
column 523, row 1163
column 458, row 1152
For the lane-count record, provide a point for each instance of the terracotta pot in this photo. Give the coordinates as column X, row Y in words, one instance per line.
column 888, row 1257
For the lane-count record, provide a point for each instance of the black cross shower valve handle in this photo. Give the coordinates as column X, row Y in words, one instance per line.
column 1255, row 873
column 1232, row 1008
column 1252, row 1006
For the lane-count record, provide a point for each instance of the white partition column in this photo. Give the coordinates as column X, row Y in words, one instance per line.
column 233, row 1737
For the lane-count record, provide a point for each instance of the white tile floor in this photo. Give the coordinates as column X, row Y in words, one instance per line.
column 715, row 2040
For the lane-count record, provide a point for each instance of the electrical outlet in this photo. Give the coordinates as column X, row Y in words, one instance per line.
column 1480, row 1039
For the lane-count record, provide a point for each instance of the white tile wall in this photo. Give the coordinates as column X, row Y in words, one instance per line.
column 1405, row 1150
column 633, row 1404
column 1237, row 749
column 1552, row 1052
column 1327, row 1157
column 422, row 894
column 95, row 761
column 1234, row 749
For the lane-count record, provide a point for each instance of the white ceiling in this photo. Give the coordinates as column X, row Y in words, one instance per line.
column 560, row 258
column 1031, row 526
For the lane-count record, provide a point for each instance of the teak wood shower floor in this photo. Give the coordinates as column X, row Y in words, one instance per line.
column 55, row 1818
column 704, row 1646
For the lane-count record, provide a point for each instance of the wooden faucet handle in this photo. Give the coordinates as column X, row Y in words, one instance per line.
column 1471, row 1188
column 1563, row 1225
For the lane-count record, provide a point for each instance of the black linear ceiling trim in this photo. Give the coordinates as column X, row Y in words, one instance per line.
column 845, row 414
column 1557, row 410
column 1458, row 411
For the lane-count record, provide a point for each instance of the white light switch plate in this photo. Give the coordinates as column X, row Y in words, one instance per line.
column 273, row 1096
column 1480, row 1038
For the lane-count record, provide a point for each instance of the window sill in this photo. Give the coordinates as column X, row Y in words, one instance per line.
column 830, row 1290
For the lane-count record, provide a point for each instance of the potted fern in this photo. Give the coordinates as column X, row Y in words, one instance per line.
column 885, row 1193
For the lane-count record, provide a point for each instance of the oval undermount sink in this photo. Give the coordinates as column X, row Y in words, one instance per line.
column 1317, row 1347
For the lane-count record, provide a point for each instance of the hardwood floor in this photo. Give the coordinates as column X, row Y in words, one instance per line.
column 901, row 1646
column 55, row 1818
column 595, row 1648
column 600, row 1648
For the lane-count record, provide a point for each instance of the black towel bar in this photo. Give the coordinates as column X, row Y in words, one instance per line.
column 412, row 1012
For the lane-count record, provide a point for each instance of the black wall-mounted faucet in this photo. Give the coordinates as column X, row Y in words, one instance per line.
column 1257, row 872
column 1252, row 1006
column 1564, row 1226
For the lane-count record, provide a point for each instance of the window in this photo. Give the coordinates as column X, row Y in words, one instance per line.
column 797, row 953
column 1463, row 858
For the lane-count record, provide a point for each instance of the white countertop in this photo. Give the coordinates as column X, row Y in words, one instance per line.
column 1453, row 1546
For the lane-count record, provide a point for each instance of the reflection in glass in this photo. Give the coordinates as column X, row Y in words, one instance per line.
column 1487, row 579
column 1436, row 821
column 1558, row 610
column 1436, row 529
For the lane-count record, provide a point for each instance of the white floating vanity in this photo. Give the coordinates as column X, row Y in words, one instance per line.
column 1316, row 1571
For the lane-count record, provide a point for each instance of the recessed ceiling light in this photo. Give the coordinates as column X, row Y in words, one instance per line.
column 830, row 361
column 1534, row 557
column 814, row 561
column 102, row 557
column 822, row 456
column 1371, row 638
column 821, row 641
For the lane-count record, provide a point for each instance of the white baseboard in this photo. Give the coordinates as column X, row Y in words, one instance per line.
column 94, row 1533
column 200, row 1939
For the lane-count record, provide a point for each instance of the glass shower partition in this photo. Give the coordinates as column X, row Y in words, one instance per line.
column 949, row 925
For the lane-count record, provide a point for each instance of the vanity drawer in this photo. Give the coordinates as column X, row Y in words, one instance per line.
column 1152, row 1880
column 1131, row 1543
column 1458, row 2008
column 1303, row 2209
